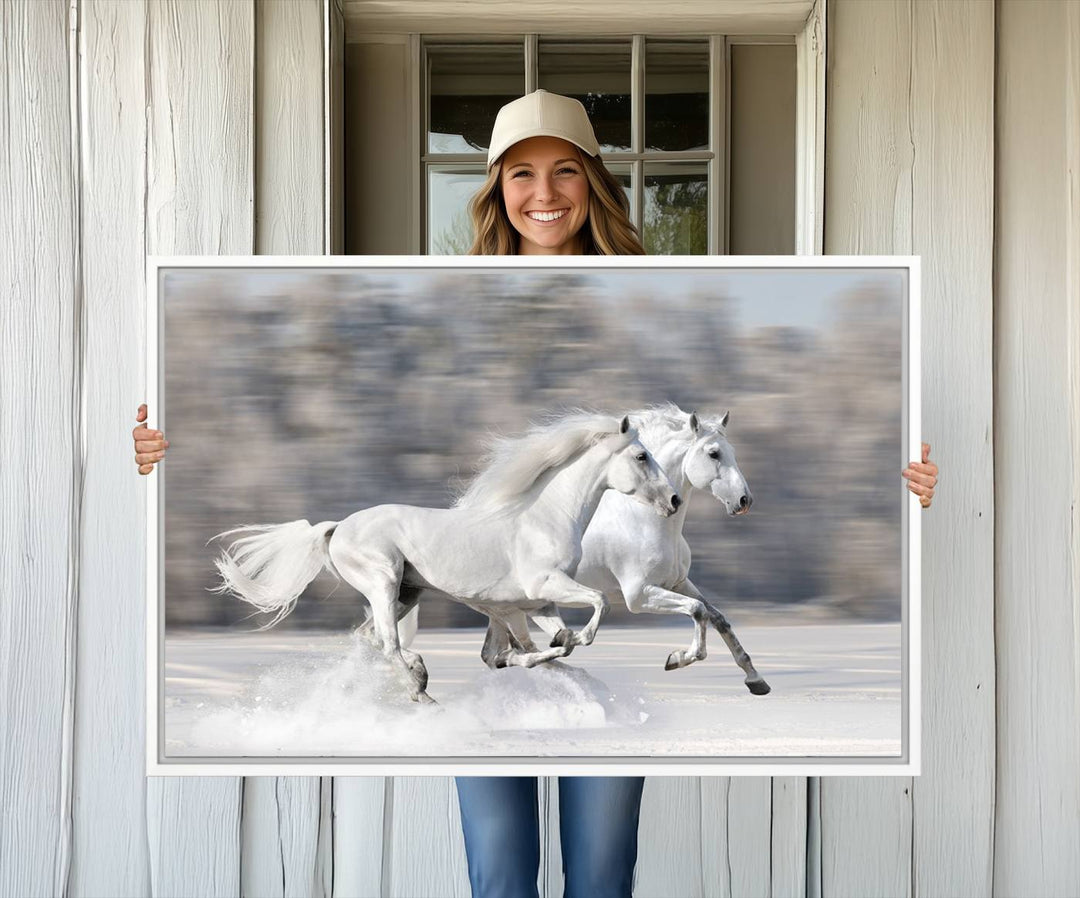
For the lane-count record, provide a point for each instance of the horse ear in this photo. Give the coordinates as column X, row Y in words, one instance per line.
column 723, row 421
column 695, row 425
column 624, row 425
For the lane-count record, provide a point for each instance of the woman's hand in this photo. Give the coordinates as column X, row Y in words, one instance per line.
column 150, row 444
column 922, row 477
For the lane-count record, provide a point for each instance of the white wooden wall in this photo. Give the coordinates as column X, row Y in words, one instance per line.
column 200, row 127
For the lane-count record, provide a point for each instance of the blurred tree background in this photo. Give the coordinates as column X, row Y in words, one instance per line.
column 314, row 394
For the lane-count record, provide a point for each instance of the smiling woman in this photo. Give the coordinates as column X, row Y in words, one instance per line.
column 547, row 190
column 546, row 195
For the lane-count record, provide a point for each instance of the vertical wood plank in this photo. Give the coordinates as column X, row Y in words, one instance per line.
column 361, row 814
column 289, row 128
column 427, row 847
column 736, row 825
column 200, row 186
column 952, row 128
column 670, row 837
column 1037, row 606
column 280, row 829
column 788, row 849
column 334, row 128
column 869, row 158
column 282, row 815
column 866, row 836
column 199, row 201
column 110, row 781
column 193, row 829
column 40, row 451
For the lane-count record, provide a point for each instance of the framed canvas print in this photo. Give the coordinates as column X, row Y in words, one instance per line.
column 619, row 515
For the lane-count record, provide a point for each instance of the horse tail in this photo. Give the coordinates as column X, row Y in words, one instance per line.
column 270, row 567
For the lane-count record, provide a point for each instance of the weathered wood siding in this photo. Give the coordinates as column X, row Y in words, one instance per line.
column 909, row 169
column 1037, row 451
column 953, row 132
column 41, row 452
column 109, row 820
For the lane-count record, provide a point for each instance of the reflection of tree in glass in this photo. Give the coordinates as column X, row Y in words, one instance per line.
column 456, row 239
column 675, row 216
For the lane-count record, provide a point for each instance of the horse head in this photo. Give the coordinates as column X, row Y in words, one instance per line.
column 710, row 465
column 634, row 472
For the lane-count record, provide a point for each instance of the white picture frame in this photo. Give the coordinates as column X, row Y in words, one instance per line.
column 907, row 762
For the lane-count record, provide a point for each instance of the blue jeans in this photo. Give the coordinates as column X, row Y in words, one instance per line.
column 598, row 821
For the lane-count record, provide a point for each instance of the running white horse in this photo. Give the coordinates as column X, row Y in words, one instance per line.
column 644, row 558
column 513, row 538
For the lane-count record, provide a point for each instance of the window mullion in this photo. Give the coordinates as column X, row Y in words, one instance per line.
column 418, row 144
column 717, row 185
column 637, row 129
column 532, row 62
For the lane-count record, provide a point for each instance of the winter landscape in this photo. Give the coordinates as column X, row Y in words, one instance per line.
column 836, row 692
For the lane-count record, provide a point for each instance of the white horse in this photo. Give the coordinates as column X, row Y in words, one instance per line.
column 513, row 538
column 644, row 558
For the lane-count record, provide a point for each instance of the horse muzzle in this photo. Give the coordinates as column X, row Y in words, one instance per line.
column 667, row 507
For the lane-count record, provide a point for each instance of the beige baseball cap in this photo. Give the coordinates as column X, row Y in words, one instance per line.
column 541, row 114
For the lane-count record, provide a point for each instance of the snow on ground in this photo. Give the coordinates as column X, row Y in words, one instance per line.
column 836, row 691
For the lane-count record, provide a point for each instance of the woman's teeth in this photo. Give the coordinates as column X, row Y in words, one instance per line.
column 546, row 216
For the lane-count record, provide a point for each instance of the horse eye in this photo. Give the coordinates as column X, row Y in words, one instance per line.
column 714, row 453
column 641, row 456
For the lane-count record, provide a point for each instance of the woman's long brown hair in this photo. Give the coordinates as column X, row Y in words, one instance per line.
column 608, row 230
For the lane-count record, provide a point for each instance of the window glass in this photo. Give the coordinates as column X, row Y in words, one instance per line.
column 597, row 74
column 449, row 190
column 676, row 208
column 624, row 176
column 676, row 95
column 467, row 84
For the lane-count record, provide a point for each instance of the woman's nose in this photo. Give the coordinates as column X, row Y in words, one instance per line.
column 545, row 188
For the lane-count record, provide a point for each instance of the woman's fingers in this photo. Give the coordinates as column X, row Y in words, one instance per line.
column 150, row 444
column 142, row 432
column 922, row 477
column 920, row 474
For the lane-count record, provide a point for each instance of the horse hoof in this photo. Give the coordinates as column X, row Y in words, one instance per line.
column 424, row 699
column 672, row 662
column 758, row 687
column 564, row 638
column 420, row 673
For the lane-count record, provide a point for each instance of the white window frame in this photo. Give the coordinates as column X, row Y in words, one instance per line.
column 809, row 40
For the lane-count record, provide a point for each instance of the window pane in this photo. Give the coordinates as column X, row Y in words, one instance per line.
column 449, row 191
column 676, row 209
column 676, row 95
column 623, row 175
column 597, row 74
column 467, row 84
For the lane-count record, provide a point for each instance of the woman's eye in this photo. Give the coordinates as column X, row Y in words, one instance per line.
column 520, row 174
column 567, row 171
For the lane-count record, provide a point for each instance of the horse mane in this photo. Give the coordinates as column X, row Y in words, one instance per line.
column 512, row 465
column 667, row 419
